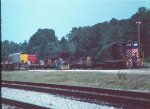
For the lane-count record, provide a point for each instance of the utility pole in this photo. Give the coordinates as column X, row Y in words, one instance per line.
column 138, row 31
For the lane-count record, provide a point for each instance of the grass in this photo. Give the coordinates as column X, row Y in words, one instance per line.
column 140, row 82
column 147, row 64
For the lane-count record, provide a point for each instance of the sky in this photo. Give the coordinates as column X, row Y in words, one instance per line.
column 20, row 19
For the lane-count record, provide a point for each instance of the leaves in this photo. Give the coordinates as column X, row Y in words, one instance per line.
column 43, row 42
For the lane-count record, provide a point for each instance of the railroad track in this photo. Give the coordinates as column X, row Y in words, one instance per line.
column 20, row 105
column 117, row 98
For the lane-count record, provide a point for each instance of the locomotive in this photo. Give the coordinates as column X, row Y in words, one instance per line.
column 122, row 53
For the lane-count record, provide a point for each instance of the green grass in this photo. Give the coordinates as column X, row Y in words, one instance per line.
column 147, row 59
column 147, row 62
column 90, row 79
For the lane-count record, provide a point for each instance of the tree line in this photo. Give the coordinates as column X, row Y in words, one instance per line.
column 88, row 40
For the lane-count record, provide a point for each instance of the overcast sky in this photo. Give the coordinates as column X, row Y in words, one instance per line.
column 22, row 18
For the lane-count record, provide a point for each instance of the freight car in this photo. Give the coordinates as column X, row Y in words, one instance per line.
column 53, row 57
column 87, row 62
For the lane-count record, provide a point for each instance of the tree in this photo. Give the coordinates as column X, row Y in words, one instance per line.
column 64, row 45
column 43, row 42
column 9, row 48
column 24, row 47
column 143, row 15
column 94, row 40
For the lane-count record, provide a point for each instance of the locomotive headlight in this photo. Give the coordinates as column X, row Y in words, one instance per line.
column 135, row 44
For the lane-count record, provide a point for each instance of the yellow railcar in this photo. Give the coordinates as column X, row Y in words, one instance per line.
column 23, row 57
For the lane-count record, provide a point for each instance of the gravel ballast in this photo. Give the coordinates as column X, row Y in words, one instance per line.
column 48, row 100
column 4, row 106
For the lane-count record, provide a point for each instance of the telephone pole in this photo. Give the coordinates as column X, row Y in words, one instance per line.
column 138, row 31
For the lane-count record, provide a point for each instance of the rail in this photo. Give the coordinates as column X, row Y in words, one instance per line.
column 21, row 105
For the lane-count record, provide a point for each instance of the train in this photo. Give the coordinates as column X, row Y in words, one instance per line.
column 119, row 55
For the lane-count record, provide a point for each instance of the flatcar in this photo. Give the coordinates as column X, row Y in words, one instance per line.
column 53, row 57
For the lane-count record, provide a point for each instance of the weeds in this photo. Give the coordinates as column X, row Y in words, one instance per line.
column 122, row 76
